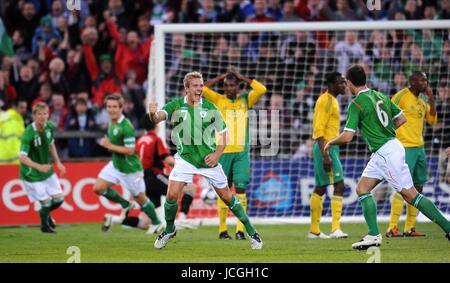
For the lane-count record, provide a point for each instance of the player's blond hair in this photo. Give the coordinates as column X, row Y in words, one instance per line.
column 116, row 97
column 39, row 106
column 190, row 76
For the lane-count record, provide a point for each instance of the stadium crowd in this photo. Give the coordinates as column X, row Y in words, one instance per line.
column 71, row 59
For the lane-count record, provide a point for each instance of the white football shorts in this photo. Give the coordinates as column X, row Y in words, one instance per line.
column 388, row 163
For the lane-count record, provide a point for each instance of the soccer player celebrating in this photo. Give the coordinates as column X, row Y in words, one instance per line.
column 125, row 167
column 327, row 168
column 377, row 117
column 235, row 160
column 36, row 172
column 195, row 120
column 416, row 108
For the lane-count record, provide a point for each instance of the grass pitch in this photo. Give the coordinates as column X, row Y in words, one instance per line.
column 282, row 244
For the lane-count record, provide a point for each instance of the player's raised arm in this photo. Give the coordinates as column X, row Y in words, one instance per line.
column 258, row 89
column 155, row 115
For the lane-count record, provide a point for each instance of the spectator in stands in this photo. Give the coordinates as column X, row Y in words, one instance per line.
column 132, row 89
column 162, row 12
column 27, row 21
column 45, row 94
column 144, row 28
column 246, row 7
column 441, row 131
column 57, row 11
column 260, row 15
column 58, row 111
column 27, row 86
column 444, row 11
column 400, row 82
column 231, row 13
column 130, row 54
column 81, row 118
column 411, row 11
column 124, row 17
column 45, row 34
column 209, row 12
column 311, row 10
column 289, row 12
column 348, row 52
column 23, row 52
column 274, row 10
column 57, row 78
column 104, row 79
column 342, row 11
column 130, row 113
column 7, row 91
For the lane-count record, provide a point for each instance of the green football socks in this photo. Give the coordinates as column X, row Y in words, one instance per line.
column 430, row 210
column 44, row 213
column 369, row 209
column 149, row 209
column 170, row 209
column 112, row 195
column 237, row 209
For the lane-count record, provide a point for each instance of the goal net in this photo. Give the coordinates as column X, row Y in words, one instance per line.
column 291, row 60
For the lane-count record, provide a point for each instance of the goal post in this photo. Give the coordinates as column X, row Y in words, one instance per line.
column 291, row 59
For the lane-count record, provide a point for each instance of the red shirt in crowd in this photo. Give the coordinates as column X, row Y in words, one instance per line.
column 152, row 151
column 128, row 59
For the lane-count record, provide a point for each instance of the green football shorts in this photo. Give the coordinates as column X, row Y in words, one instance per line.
column 416, row 159
column 236, row 166
column 324, row 178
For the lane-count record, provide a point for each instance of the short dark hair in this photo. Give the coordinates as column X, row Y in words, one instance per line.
column 416, row 75
column 356, row 75
column 81, row 101
column 147, row 123
column 231, row 77
column 331, row 78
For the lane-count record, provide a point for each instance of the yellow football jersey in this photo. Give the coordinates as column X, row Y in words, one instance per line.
column 326, row 119
column 416, row 109
column 235, row 113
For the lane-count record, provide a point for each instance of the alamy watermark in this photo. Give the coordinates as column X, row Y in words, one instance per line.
column 251, row 127
column 373, row 5
column 75, row 254
column 73, row 5
column 375, row 253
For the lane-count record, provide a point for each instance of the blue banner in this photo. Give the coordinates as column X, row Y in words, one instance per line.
column 283, row 187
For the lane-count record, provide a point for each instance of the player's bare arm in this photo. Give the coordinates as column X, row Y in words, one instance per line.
column 155, row 115
column 241, row 77
column 429, row 94
column 116, row 148
column 343, row 138
column 213, row 81
column 399, row 121
column 213, row 158
column 56, row 160
column 43, row 168
column 327, row 163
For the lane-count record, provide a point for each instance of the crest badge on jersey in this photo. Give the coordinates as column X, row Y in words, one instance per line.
column 203, row 114
column 49, row 135
column 115, row 131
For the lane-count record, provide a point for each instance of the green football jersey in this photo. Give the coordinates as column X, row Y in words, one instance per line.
column 122, row 134
column 194, row 129
column 372, row 112
column 36, row 145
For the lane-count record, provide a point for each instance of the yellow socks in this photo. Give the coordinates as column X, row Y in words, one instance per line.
column 411, row 214
column 336, row 212
column 396, row 210
column 222, row 211
column 243, row 200
column 316, row 212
